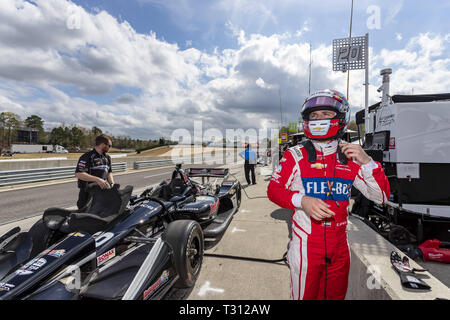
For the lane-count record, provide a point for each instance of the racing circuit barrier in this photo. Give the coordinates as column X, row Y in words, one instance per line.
column 150, row 164
column 159, row 163
column 12, row 177
column 34, row 175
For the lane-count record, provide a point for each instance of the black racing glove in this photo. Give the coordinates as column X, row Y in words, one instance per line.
column 407, row 273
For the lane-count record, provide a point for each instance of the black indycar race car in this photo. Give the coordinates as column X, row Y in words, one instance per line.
column 123, row 247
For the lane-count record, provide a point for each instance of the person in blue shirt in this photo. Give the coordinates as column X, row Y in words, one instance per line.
column 250, row 157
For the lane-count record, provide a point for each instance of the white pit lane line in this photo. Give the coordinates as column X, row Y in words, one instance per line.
column 237, row 230
column 206, row 287
column 159, row 174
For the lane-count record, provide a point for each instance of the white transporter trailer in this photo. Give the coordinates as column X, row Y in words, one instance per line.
column 37, row 148
column 410, row 136
column 31, row 148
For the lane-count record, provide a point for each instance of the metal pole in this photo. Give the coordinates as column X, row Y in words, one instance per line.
column 310, row 63
column 349, row 47
column 366, row 104
column 281, row 112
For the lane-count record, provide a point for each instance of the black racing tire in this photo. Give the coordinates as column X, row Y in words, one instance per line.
column 42, row 237
column 238, row 202
column 186, row 239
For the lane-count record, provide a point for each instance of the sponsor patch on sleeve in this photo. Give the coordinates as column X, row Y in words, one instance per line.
column 275, row 177
column 81, row 166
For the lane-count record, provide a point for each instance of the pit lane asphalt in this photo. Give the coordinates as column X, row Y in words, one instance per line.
column 27, row 202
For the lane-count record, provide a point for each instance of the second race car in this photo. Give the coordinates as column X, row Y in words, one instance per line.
column 123, row 247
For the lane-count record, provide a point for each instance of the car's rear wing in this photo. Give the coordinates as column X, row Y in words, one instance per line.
column 207, row 172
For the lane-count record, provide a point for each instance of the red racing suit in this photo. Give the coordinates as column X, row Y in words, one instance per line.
column 318, row 254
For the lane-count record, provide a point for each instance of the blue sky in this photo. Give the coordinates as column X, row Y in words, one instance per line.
column 138, row 67
column 172, row 22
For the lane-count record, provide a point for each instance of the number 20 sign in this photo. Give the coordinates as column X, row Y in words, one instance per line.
column 349, row 54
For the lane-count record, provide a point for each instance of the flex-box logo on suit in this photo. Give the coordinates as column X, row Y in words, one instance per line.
column 319, row 187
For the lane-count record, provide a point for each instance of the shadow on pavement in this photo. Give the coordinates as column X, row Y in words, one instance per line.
column 178, row 294
column 211, row 243
column 283, row 215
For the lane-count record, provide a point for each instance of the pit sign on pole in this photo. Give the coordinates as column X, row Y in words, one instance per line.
column 353, row 54
column 350, row 55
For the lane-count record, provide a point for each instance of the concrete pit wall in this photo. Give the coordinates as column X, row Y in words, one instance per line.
column 372, row 276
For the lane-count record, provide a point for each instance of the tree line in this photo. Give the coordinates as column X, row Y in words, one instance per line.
column 70, row 137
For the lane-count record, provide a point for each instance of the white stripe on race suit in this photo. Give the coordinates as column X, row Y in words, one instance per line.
column 298, row 262
column 294, row 264
column 304, row 269
column 369, row 186
column 303, row 220
column 294, row 182
column 296, row 171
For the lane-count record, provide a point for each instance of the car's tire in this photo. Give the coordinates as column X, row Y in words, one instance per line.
column 186, row 239
column 42, row 237
column 238, row 196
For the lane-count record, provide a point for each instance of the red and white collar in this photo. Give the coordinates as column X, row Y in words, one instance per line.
column 326, row 148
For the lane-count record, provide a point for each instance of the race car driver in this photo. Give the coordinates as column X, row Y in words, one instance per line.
column 315, row 179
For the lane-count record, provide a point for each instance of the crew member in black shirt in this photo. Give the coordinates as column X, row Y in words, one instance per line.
column 94, row 166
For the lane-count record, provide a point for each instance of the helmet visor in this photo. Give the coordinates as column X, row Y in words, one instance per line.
column 322, row 101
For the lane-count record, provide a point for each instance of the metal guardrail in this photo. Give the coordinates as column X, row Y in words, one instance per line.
column 150, row 164
column 119, row 166
column 42, row 174
column 159, row 163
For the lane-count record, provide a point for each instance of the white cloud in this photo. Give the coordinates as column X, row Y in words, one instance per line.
column 430, row 45
column 101, row 54
column 262, row 84
column 305, row 28
column 230, row 88
column 7, row 104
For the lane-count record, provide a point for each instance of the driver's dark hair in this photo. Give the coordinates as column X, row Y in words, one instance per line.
column 103, row 138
